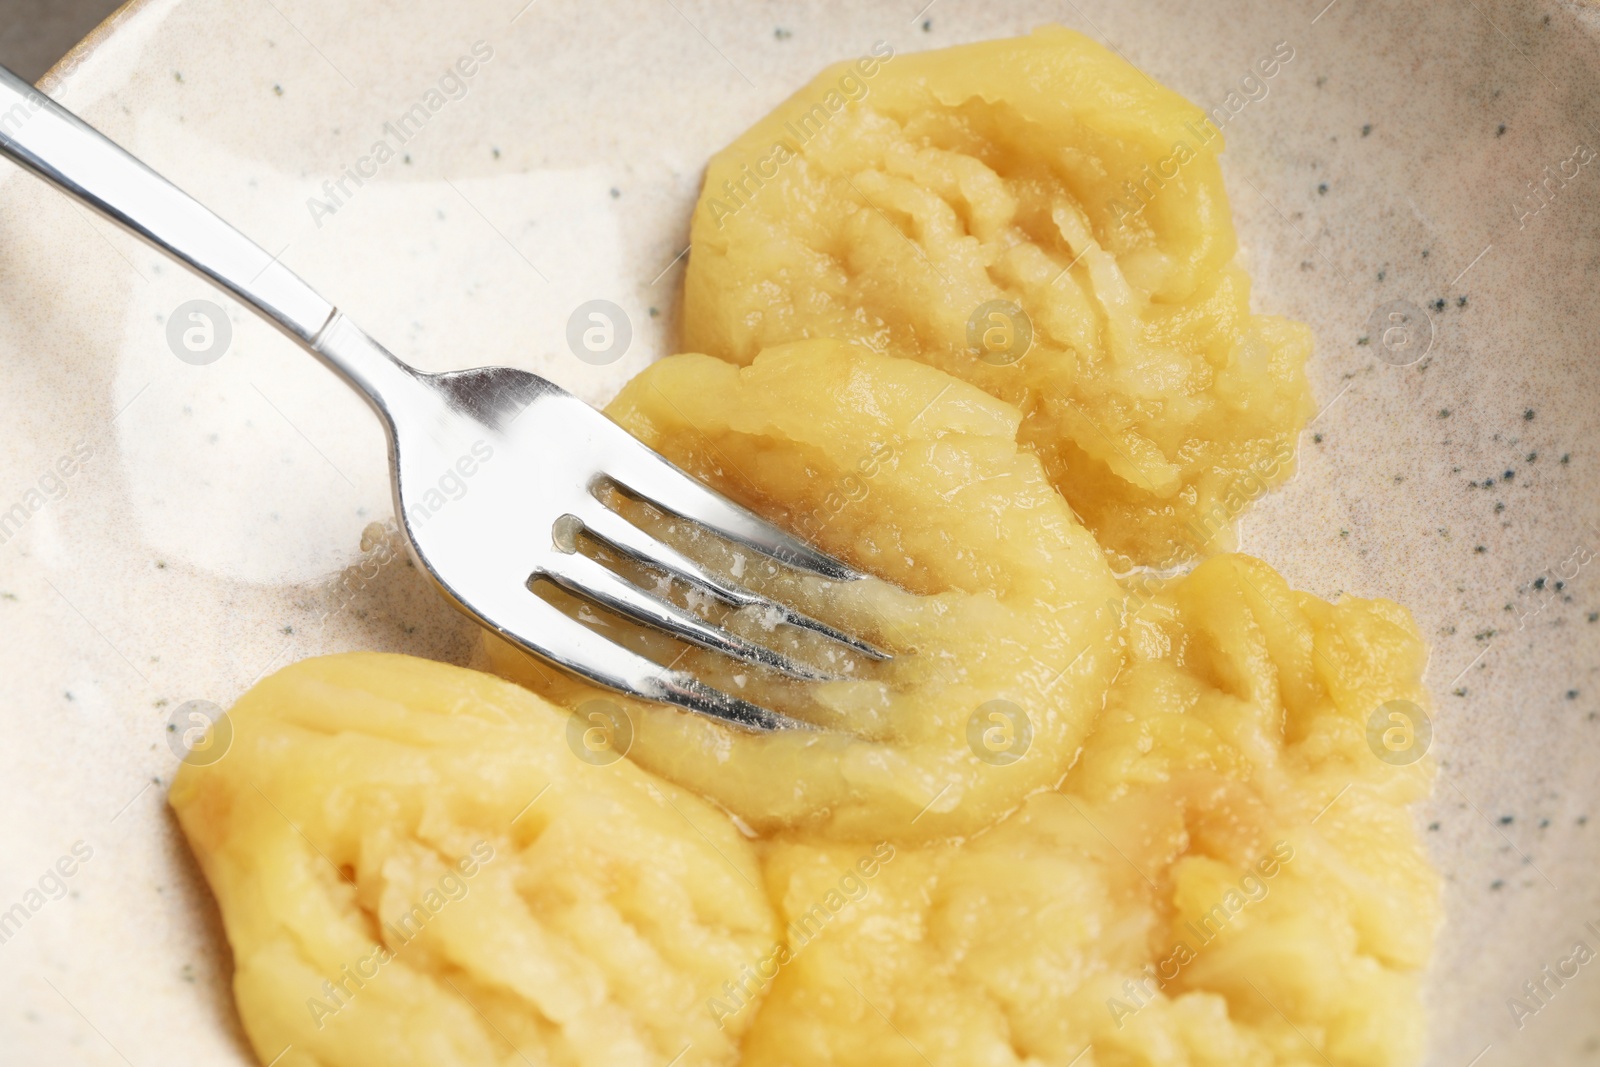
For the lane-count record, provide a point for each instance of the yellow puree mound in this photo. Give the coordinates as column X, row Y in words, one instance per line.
column 1038, row 186
column 1070, row 823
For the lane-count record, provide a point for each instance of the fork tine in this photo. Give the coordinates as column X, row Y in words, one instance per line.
column 616, row 531
column 539, row 627
column 694, row 695
column 587, row 578
column 650, row 477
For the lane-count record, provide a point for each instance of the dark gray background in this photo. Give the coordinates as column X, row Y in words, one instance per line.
column 36, row 33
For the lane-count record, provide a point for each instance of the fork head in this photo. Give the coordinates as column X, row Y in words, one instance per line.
column 498, row 473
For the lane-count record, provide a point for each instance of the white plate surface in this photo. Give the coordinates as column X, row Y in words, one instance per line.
column 200, row 543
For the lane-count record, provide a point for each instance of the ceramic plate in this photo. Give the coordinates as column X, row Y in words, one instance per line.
column 183, row 493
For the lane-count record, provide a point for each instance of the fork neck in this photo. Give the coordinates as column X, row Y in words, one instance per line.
column 372, row 370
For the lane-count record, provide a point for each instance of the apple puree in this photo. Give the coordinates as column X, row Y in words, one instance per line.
column 1072, row 822
column 1039, row 218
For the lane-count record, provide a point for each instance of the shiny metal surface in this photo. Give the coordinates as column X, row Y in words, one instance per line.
column 532, row 455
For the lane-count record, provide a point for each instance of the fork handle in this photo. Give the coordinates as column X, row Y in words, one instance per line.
column 67, row 152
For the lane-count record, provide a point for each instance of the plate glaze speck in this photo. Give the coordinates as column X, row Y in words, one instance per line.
column 1412, row 183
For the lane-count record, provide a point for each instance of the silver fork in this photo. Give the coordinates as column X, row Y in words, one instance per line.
column 549, row 455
